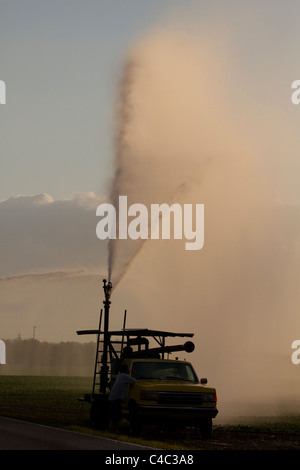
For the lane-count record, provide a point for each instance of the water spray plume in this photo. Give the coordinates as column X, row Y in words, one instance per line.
column 183, row 135
column 157, row 145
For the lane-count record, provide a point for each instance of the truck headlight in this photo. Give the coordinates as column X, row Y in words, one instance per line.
column 210, row 397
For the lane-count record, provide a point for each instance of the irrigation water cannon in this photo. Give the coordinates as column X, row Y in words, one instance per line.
column 154, row 352
column 187, row 347
column 115, row 346
column 166, row 392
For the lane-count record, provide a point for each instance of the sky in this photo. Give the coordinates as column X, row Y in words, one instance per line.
column 61, row 61
column 209, row 111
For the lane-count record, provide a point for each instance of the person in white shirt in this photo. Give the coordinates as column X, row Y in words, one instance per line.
column 118, row 396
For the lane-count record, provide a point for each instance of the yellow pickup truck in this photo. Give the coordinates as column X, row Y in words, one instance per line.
column 168, row 393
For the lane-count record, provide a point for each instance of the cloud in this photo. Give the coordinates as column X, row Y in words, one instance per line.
column 40, row 234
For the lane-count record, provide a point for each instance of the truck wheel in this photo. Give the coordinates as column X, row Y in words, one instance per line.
column 206, row 429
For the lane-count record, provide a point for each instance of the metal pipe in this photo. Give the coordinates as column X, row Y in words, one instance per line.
column 104, row 368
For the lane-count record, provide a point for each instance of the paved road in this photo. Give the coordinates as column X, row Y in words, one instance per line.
column 20, row 435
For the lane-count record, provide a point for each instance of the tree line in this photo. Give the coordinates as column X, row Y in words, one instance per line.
column 43, row 357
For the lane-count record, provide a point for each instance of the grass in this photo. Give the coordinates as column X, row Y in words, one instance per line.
column 53, row 401
column 46, row 400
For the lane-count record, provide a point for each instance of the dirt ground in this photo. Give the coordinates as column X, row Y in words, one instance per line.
column 235, row 440
column 268, row 436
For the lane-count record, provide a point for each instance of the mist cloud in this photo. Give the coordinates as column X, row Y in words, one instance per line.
column 184, row 135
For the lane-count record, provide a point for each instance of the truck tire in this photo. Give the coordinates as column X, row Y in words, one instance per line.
column 206, row 428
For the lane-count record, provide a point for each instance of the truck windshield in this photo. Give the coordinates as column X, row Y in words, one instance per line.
column 164, row 371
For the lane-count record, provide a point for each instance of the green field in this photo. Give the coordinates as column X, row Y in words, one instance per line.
column 54, row 401
column 46, row 400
